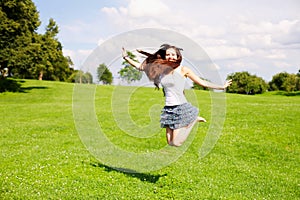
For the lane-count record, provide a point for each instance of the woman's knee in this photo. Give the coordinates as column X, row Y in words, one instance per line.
column 176, row 143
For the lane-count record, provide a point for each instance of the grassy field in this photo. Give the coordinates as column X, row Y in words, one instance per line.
column 43, row 157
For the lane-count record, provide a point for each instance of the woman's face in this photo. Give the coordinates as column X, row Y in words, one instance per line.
column 171, row 55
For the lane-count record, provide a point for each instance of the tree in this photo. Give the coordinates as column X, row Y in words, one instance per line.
column 278, row 80
column 245, row 83
column 24, row 52
column 298, row 80
column 19, row 21
column 104, row 74
column 129, row 73
column 290, row 83
column 51, row 63
column 285, row 82
column 79, row 76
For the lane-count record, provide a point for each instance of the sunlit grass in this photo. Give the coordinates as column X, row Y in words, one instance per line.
column 42, row 156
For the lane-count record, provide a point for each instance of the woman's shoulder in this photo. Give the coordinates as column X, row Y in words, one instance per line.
column 184, row 67
column 184, row 70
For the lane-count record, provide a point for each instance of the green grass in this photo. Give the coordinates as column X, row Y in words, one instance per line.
column 42, row 156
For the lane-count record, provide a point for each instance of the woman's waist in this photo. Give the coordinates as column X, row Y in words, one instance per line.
column 173, row 101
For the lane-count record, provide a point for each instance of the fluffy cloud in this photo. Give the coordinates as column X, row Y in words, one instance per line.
column 291, row 30
column 238, row 35
column 146, row 8
column 227, row 52
column 241, row 31
column 77, row 56
column 265, row 34
column 231, row 37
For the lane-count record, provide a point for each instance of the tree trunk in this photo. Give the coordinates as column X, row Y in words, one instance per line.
column 41, row 76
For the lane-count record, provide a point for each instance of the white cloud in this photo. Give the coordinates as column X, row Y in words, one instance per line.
column 227, row 52
column 228, row 32
column 206, row 42
column 194, row 29
column 110, row 11
column 290, row 33
column 276, row 54
column 245, row 39
column 77, row 56
column 265, row 34
column 139, row 13
column 144, row 14
column 146, row 8
column 256, row 40
column 240, row 65
column 281, row 64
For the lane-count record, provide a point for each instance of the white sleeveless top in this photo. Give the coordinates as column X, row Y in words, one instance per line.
column 173, row 85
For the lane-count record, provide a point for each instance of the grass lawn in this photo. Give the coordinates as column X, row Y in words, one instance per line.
column 43, row 157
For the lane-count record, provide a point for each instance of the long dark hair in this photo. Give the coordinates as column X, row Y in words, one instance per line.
column 156, row 65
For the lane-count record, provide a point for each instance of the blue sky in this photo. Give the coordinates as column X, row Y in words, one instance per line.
column 258, row 36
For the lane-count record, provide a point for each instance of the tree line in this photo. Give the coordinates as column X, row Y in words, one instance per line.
column 242, row 82
column 246, row 83
column 27, row 54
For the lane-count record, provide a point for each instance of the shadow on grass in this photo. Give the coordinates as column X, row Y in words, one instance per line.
column 11, row 85
column 26, row 89
column 284, row 93
column 131, row 173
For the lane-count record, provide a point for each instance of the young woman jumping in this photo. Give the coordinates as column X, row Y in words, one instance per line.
column 163, row 68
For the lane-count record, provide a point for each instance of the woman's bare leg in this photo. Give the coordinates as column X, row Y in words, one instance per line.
column 181, row 134
column 169, row 135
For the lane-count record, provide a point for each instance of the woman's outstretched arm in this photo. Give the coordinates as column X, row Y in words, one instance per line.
column 129, row 60
column 190, row 74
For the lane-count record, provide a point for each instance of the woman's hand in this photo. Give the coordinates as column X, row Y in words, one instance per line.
column 227, row 83
column 124, row 53
column 132, row 62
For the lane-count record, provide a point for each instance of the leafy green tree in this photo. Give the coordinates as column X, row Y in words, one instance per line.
column 52, row 64
column 19, row 21
column 73, row 76
column 285, row 82
column 239, row 82
column 290, row 83
column 278, row 80
column 81, row 77
column 298, row 81
column 258, row 85
column 88, row 78
column 129, row 73
column 24, row 52
column 104, row 74
column 245, row 83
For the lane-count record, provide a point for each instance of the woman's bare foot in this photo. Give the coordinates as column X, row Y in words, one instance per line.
column 201, row 119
